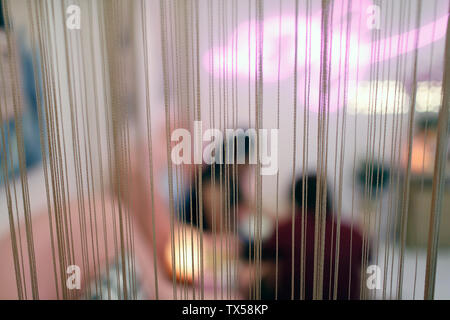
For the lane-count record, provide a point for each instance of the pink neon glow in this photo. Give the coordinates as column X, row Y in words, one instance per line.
column 425, row 38
column 243, row 61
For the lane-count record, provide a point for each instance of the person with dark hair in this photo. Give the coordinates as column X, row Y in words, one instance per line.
column 341, row 261
column 309, row 195
column 223, row 184
column 219, row 194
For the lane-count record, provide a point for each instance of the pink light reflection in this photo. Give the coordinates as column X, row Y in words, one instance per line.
column 243, row 62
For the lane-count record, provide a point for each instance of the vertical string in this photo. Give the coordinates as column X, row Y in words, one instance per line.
column 278, row 172
column 294, row 147
column 405, row 204
column 438, row 176
column 149, row 137
column 17, row 101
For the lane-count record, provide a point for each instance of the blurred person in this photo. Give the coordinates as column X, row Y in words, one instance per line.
column 304, row 261
column 192, row 227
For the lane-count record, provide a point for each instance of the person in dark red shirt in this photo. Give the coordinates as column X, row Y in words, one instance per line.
column 341, row 264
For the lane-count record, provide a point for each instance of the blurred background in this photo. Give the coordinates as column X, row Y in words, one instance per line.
column 111, row 69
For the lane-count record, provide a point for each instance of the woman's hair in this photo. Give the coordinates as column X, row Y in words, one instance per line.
column 310, row 193
column 221, row 177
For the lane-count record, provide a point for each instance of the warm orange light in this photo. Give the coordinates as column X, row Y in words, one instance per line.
column 422, row 154
column 186, row 255
column 187, row 258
